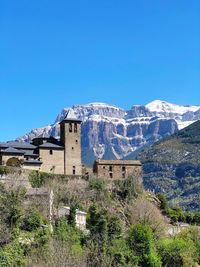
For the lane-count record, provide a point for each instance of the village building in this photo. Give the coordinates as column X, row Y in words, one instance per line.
column 116, row 169
column 63, row 156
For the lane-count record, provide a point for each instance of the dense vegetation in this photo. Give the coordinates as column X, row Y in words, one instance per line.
column 172, row 166
column 125, row 227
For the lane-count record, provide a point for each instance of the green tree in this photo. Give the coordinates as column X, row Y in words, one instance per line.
column 163, row 202
column 72, row 216
column 141, row 243
column 114, row 228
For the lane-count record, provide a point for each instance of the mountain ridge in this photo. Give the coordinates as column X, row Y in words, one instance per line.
column 122, row 132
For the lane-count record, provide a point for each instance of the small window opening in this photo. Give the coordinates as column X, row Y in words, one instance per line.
column 123, row 168
column 76, row 141
column 75, row 127
column 72, row 148
column 111, row 175
column 70, row 127
column 110, row 168
column 51, row 152
column 74, row 170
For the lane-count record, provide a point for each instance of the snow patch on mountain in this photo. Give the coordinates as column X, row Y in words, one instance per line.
column 165, row 107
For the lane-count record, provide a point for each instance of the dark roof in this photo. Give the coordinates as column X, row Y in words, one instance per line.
column 28, row 152
column 20, row 145
column 32, row 162
column 40, row 137
column 31, row 154
column 50, row 145
column 70, row 116
column 11, row 150
column 118, row 162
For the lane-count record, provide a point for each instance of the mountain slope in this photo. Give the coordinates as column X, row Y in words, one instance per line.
column 172, row 166
column 112, row 132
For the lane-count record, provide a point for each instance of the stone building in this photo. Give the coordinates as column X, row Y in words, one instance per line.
column 63, row 156
column 48, row 154
column 116, row 169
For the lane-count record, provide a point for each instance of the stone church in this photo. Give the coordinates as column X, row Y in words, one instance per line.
column 48, row 154
column 63, row 156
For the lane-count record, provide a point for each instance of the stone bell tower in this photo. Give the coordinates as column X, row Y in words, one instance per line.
column 70, row 138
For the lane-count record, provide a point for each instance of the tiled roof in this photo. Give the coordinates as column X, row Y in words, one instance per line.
column 41, row 137
column 50, row 145
column 21, row 145
column 30, row 153
column 32, row 161
column 11, row 150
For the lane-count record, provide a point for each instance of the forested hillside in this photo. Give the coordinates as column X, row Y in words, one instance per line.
column 172, row 166
column 125, row 226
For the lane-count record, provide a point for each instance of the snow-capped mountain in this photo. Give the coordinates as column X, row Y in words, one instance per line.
column 112, row 132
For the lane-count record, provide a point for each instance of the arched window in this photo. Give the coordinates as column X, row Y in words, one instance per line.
column 74, row 170
column 14, row 162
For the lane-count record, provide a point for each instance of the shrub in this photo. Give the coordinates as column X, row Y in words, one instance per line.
column 176, row 252
column 129, row 188
column 39, row 179
column 12, row 255
column 32, row 220
column 4, row 170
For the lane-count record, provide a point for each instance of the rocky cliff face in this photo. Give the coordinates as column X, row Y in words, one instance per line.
column 111, row 132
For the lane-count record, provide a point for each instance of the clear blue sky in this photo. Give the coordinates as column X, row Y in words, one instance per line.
column 54, row 54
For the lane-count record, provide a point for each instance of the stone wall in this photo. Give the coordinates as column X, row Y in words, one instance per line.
column 34, row 167
column 53, row 163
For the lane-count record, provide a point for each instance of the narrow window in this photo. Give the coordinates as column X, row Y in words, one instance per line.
column 75, row 127
column 123, row 169
column 74, row 170
column 111, row 175
column 76, row 141
column 110, row 168
column 72, row 148
column 51, row 152
column 70, row 127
